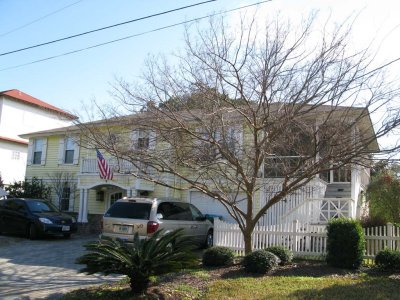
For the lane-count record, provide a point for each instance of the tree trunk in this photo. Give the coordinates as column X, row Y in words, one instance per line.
column 248, row 247
column 138, row 283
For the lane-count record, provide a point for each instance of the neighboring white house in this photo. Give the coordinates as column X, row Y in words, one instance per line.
column 21, row 113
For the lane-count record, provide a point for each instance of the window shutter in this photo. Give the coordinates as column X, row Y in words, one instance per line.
column 152, row 140
column 44, row 150
column 134, row 137
column 61, row 151
column 30, row 152
column 76, row 152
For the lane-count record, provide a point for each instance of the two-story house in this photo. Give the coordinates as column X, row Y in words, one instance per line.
column 338, row 192
column 21, row 113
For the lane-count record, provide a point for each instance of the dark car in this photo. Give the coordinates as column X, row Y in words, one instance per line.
column 34, row 217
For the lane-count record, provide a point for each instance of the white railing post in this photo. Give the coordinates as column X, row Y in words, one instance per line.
column 294, row 237
column 389, row 232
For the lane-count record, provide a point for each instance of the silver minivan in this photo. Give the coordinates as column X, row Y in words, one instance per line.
column 145, row 216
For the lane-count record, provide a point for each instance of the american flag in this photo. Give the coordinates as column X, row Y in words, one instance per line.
column 105, row 170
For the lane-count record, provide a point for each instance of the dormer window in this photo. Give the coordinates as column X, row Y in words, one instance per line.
column 143, row 139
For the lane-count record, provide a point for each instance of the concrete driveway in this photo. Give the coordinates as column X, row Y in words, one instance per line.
column 43, row 269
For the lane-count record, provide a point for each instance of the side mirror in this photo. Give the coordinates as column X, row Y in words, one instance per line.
column 159, row 216
column 201, row 218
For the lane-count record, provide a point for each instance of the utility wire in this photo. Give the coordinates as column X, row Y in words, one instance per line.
column 133, row 35
column 106, row 27
column 39, row 19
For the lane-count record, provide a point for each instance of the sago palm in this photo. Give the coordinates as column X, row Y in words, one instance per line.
column 159, row 254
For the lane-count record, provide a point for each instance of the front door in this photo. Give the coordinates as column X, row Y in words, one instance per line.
column 114, row 197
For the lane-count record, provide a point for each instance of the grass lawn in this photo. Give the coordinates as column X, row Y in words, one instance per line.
column 300, row 280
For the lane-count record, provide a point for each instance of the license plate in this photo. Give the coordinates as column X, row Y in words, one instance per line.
column 65, row 228
column 123, row 229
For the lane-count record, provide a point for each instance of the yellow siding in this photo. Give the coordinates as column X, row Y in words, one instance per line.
column 88, row 180
column 95, row 207
column 51, row 166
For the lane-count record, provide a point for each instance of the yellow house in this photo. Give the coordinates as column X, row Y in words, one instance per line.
column 63, row 160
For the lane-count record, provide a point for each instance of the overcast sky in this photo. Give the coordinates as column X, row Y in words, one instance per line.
column 70, row 80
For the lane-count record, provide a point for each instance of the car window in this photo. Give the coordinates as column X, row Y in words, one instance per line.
column 20, row 206
column 175, row 211
column 40, row 206
column 195, row 212
column 129, row 210
column 11, row 205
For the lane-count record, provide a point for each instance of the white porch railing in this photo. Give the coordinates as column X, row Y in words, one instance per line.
column 89, row 165
column 319, row 211
column 302, row 239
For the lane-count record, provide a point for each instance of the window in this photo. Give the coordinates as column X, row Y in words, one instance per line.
column 69, row 151
column 114, row 197
column 129, row 210
column 40, row 206
column 143, row 140
column 66, row 194
column 175, row 211
column 15, row 155
column 37, row 151
column 232, row 139
column 195, row 212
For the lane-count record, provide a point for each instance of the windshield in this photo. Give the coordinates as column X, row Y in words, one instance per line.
column 129, row 210
column 40, row 206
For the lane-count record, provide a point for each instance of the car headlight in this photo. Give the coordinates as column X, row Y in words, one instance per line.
column 73, row 220
column 45, row 221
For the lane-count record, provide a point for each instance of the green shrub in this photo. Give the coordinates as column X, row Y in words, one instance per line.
column 159, row 254
column 346, row 243
column 388, row 259
column 285, row 255
column 260, row 261
column 218, row 256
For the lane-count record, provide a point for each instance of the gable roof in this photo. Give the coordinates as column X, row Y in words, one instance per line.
column 3, row 138
column 23, row 97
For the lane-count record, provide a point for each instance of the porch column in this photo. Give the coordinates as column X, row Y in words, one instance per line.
column 83, row 206
column 130, row 192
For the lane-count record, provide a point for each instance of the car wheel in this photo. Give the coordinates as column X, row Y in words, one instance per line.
column 209, row 239
column 66, row 235
column 32, row 232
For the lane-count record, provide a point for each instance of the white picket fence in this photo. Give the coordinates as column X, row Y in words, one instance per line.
column 302, row 239
column 380, row 238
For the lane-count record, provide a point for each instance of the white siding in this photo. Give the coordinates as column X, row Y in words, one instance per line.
column 12, row 169
column 18, row 118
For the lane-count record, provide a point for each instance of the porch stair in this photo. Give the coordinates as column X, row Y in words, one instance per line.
column 338, row 190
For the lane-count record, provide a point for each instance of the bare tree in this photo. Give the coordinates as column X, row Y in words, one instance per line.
column 241, row 104
column 63, row 184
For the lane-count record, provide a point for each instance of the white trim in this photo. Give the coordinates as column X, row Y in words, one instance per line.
column 85, row 206
column 30, row 152
column 80, row 213
column 103, row 182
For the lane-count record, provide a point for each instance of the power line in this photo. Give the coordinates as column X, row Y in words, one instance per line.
column 133, row 35
column 106, row 27
column 39, row 19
